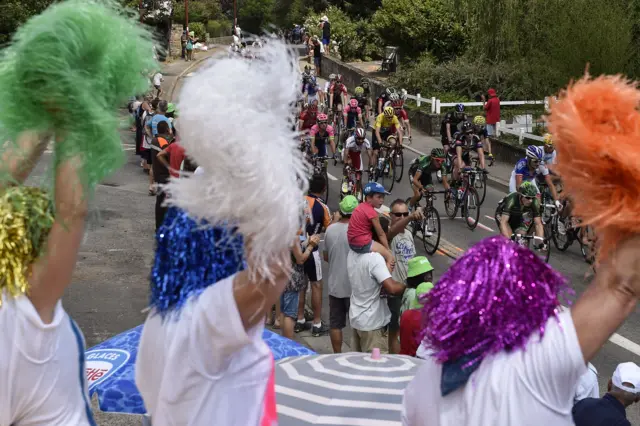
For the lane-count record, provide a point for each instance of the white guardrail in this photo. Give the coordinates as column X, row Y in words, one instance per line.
column 436, row 105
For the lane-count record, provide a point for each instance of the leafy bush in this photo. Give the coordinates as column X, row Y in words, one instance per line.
column 219, row 27
column 418, row 26
column 199, row 11
column 199, row 30
column 356, row 40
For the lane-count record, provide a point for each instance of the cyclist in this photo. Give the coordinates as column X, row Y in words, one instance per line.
column 367, row 95
column 308, row 116
column 324, row 93
column 310, row 90
column 387, row 124
column 337, row 95
column 550, row 153
column 320, row 134
column 518, row 209
column 465, row 141
column 358, row 94
column 306, row 75
column 352, row 154
column 531, row 169
column 402, row 115
column 480, row 132
column 420, row 171
column 352, row 115
column 451, row 123
column 385, row 97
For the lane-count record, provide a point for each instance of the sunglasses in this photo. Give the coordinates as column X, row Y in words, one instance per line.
column 403, row 214
column 322, row 122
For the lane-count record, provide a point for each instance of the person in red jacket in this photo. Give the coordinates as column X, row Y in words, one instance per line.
column 492, row 113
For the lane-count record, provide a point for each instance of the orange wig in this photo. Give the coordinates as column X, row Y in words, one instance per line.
column 596, row 130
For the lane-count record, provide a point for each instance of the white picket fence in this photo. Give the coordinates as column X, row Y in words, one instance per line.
column 436, row 105
column 517, row 130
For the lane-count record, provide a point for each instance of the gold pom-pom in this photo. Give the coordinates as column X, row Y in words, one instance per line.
column 26, row 217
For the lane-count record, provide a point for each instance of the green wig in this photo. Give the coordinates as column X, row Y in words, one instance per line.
column 68, row 70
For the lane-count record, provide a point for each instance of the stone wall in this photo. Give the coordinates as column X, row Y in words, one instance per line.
column 175, row 47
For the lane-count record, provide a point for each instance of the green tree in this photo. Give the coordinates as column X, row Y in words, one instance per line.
column 14, row 13
column 416, row 26
column 199, row 11
column 255, row 16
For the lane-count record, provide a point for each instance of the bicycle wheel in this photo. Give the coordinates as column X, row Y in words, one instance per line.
column 542, row 254
column 562, row 242
column 431, row 231
column 325, row 198
column 471, row 208
column 398, row 160
column 386, row 176
column 451, row 203
column 481, row 187
column 358, row 190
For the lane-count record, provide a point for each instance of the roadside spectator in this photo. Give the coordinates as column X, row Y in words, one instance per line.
column 159, row 171
column 157, row 83
column 191, row 39
column 141, row 114
column 289, row 298
column 411, row 322
column 492, row 111
column 317, row 55
column 326, row 32
column 336, row 250
column 610, row 410
column 587, row 386
column 368, row 312
column 183, row 43
column 420, row 271
column 402, row 248
column 146, row 142
column 160, row 111
column 318, row 220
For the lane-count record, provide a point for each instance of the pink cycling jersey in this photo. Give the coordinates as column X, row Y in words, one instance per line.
column 316, row 129
column 348, row 109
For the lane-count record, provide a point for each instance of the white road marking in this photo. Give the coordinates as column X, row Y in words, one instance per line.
column 486, row 228
column 332, row 177
column 489, row 217
column 625, row 343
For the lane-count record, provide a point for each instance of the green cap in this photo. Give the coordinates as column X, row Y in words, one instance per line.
column 171, row 107
column 423, row 288
column 418, row 265
column 348, row 204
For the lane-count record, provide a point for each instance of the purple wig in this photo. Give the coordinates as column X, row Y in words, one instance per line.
column 491, row 300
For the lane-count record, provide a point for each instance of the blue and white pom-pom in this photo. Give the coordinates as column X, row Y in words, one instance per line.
column 235, row 122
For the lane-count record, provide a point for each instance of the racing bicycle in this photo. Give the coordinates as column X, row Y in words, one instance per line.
column 429, row 227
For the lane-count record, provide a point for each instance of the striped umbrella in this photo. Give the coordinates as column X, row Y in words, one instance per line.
column 344, row 389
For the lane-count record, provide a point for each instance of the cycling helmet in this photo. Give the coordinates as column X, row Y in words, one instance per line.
column 305, row 106
column 534, row 152
column 332, row 77
column 388, row 112
column 364, row 80
column 466, row 127
column 548, row 139
column 479, row 120
column 359, row 91
column 359, row 133
column 403, row 94
column 437, row 153
column 339, row 78
column 397, row 104
column 528, row 189
column 393, row 97
column 390, row 90
column 353, row 103
column 322, row 117
column 460, row 108
column 307, row 70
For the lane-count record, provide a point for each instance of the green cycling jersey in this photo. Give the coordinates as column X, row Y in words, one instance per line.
column 520, row 216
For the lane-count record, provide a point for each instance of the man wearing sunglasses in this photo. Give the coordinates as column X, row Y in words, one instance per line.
column 530, row 169
column 420, row 174
column 516, row 211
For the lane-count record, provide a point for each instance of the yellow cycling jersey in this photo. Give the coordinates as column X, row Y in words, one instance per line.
column 384, row 123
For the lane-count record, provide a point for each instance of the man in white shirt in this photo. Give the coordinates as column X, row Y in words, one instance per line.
column 336, row 251
column 368, row 313
column 42, row 358
column 157, row 82
column 529, row 385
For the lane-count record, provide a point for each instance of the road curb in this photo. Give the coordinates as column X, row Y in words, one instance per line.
column 186, row 70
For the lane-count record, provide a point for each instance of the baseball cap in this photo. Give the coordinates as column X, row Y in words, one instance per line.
column 627, row 372
column 374, row 188
column 418, row 265
column 348, row 204
column 171, row 107
column 423, row 288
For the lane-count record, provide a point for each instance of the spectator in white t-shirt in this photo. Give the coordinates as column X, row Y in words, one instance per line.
column 157, row 83
column 532, row 381
column 42, row 367
column 587, row 386
column 336, row 250
column 369, row 314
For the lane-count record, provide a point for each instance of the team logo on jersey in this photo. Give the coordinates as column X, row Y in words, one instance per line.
column 103, row 363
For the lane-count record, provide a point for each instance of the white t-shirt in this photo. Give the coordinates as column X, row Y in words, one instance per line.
column 366, row 273
column 403, row 249
column 337, row 246
column 157, row 79
column 530, row 387
column 587, row 386
column 42, row 371
column 203, row 368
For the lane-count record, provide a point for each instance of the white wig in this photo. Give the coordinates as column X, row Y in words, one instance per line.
column 236, row 123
